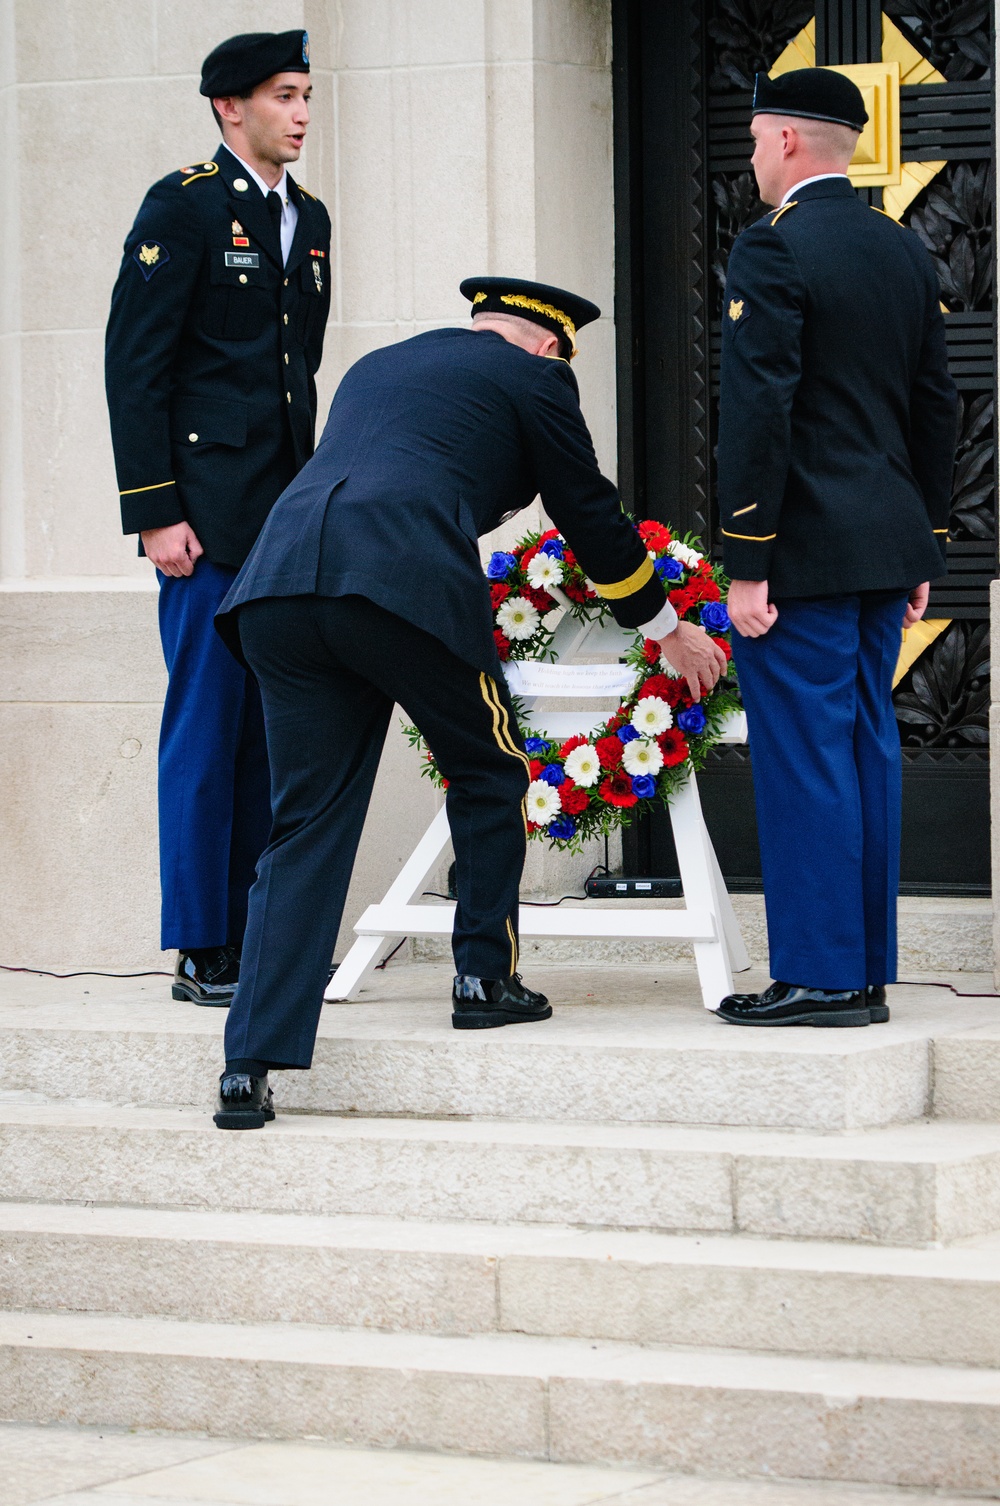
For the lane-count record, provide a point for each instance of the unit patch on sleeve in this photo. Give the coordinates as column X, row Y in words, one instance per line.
column 149, row 257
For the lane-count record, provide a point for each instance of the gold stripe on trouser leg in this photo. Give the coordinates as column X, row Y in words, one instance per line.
column 513, row 948
column 501, row 722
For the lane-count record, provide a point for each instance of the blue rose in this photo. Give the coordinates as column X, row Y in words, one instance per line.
column 562, row 827
column 627, row 734
column 715, row 617
column 553, row 774
column 668, row 568
column 643, row 785
column 554, row 548
column 535, row 745
column 693, row 720
column 500, row 565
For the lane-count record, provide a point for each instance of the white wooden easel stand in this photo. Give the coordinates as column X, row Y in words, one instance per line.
column 707, row 920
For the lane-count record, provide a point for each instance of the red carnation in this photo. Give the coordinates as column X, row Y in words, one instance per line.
column 609, row 752
column 575, row 592
column 675, row 692
column 574, row 799
column 569, row 745
column 673, row 746
column 682, row 600
column 723, row 644
column 655, row 685
column 499, row 593
column 528, row 556
column 536, row 767
column 703, row 567
column 618, row 720
column 546, row 538
column 617, row 789
column 704, row 589
column 531, row 825
column 569, row 558
column 654, row 535
column 538, row 598
column 651, row 651
column 502, row 643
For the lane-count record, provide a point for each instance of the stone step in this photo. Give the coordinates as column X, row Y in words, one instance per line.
column 561, row 1399
column 810, row 1298
column 632, row 1047
column 907, row 1185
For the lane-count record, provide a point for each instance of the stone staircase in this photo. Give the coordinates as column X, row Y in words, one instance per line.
column 631, row 1235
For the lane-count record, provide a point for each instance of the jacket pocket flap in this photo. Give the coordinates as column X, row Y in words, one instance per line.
column 208, row 420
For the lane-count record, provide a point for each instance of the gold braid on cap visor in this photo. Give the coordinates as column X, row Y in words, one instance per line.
column 519, row 300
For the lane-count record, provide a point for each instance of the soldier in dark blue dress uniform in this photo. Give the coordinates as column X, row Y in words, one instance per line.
column 366, row 588
column 836, row 444
column 214, row 339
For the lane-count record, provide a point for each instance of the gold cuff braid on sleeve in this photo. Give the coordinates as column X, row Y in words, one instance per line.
column 616, row 589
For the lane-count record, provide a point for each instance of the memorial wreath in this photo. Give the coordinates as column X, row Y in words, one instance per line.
column 584, row 787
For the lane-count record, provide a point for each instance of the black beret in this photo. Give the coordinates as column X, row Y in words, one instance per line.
column 814, row 93
column 553, row 308
column 240, row 63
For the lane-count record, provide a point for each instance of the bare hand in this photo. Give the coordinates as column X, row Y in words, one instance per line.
column 750, row 612
column 698, row 660
column 917, row 604
column 173, row 550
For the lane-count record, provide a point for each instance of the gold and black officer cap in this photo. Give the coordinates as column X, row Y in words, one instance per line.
column 553, row 308
column 814, row 94
column 240, row 63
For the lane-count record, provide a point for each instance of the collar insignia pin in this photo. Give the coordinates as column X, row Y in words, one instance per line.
column 237, row 228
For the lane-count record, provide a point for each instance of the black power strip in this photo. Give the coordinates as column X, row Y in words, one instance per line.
column 633, row 888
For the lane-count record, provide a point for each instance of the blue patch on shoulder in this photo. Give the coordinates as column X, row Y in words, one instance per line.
column 149, row 257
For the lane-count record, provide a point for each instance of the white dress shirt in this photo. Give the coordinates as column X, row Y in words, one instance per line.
column 289, row 211
column 816, row 178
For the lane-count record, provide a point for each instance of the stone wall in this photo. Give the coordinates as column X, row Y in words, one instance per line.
column 448, row 137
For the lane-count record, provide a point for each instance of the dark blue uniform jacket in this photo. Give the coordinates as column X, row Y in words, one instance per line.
column 211, row 353
column 429, row 444
column 837, row 414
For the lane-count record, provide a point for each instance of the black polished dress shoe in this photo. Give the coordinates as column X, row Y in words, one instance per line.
column 485, row 1003
column 245, row 1102
column 207, row 976
column 792, row 1004
column 878, row 1009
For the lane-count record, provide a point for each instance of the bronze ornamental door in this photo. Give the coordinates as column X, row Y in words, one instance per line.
column 683, row 74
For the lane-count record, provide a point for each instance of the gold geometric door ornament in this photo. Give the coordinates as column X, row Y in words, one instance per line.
column 877, row 164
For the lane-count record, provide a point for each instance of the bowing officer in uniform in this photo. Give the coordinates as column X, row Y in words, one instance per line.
column 366, row 588
column 836, row 443
column 215, row 335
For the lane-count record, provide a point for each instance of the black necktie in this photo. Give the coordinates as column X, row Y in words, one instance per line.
column 274, row 210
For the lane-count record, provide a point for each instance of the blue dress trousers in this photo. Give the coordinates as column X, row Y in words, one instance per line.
column 827, row 773
column 214, row 785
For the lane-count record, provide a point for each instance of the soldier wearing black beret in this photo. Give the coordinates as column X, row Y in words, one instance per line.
column 836, row 444
column 213, row 342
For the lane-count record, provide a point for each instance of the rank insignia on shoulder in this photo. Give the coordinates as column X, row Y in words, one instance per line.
column 735, row 309
column 149, row 257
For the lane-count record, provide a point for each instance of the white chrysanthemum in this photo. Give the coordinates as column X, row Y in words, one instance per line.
column 642, row 756
column 517, row 618
column 652, row 716
column 542, row 802
column 544, row 571
column 688, row 557
column 583, row 766
column 668, row 669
